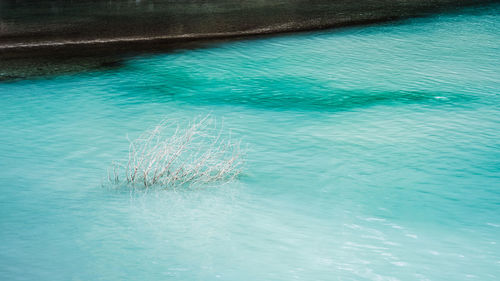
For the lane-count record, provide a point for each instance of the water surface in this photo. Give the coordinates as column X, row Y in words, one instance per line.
column 373, row 154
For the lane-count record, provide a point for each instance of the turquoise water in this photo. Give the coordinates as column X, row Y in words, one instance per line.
column 373, row 153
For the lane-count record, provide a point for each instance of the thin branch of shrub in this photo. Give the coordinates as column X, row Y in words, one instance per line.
column 199, row 154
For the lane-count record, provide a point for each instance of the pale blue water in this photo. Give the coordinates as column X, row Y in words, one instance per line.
column 373, row 154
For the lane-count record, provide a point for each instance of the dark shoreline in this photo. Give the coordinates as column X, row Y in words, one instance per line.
column 34, row 55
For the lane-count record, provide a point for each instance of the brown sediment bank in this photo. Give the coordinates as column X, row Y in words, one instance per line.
column 36, row 33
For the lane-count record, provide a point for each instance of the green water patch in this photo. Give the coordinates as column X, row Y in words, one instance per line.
column 293, row 96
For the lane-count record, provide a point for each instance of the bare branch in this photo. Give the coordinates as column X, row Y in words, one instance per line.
column 198, row 154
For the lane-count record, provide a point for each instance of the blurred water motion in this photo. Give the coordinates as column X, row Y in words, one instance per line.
column 373, row 154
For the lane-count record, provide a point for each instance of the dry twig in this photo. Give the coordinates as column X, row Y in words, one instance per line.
column 197, row 154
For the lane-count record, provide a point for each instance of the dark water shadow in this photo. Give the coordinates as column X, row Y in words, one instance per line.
column 324, row 100
column 46, row 62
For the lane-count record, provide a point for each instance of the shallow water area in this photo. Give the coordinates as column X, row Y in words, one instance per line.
column 373, row 154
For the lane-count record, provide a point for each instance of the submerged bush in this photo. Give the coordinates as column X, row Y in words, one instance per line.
column 198, row 154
